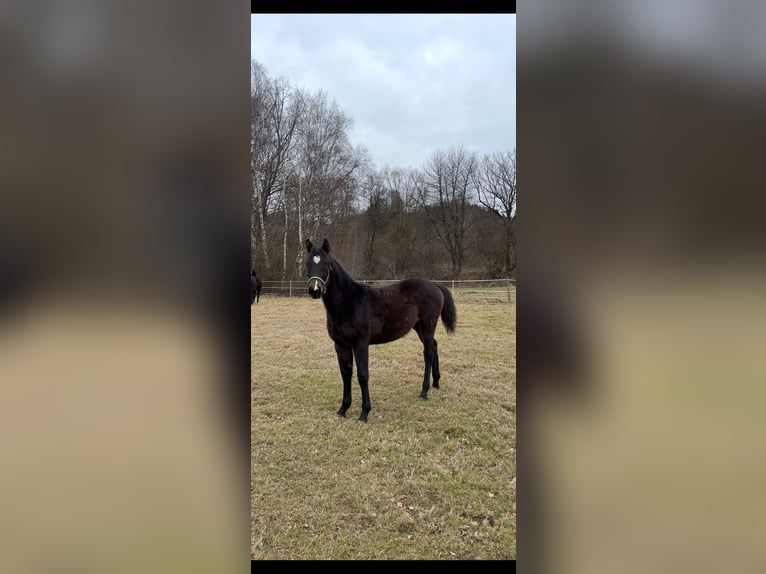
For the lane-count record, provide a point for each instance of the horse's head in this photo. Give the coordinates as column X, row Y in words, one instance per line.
column 319, row 264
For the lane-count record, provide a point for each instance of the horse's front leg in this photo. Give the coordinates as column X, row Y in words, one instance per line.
column 345, row 362
column 361, row 352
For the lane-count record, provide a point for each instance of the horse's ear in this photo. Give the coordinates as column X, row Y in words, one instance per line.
column 309, row 245
column 326, row 245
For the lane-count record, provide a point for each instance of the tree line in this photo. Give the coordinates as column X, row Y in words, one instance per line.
column 453, row 218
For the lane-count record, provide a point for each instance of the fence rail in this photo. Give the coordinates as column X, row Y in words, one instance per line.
column 467, row 290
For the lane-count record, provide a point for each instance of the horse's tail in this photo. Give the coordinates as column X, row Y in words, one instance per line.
column 449, row 313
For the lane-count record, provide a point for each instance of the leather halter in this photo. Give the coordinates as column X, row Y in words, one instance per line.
column 325, row 280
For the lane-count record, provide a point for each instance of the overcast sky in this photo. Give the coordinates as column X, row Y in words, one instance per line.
column 411, row 83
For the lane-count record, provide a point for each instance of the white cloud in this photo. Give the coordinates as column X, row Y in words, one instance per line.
column 443, row 52
column 412, row 83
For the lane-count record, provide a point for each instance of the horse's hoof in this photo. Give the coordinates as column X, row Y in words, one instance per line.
column 361, row 420
column 340, row 415
column 423, row 398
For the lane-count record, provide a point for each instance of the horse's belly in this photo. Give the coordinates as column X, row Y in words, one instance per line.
column 343, row 336
column 383, row 338
column 390, row 333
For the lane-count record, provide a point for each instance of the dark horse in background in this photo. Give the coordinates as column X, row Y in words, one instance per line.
column 360, row 315
column 255, row 288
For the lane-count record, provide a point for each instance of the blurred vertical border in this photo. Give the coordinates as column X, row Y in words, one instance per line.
column 641, row 286
column 124, row 317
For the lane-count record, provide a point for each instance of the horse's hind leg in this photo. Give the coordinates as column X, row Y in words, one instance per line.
column 435, row 366
column 345, row 362
column 429, row 352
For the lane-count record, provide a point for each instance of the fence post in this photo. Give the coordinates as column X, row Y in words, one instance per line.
column 508, row 287
column 291, row 288
column 453, row 287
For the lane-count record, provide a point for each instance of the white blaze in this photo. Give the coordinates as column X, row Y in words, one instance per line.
column 316, row 258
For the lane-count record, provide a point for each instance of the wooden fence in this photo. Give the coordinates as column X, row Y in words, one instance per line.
column 466, row 290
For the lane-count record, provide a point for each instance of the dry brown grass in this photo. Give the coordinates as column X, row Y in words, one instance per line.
column 422, row 480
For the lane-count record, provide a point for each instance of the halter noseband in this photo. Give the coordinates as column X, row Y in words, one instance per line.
column 325, row 280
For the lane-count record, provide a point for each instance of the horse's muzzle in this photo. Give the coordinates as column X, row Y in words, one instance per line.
column 316, row 288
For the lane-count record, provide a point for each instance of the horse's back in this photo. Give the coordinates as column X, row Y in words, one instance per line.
column 424, row 293
column 404, row 303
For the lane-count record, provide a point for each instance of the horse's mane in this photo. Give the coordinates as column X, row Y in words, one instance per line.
column 345, row 276
column 337, row 264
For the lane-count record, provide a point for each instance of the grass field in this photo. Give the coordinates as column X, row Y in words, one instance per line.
column 421, row 480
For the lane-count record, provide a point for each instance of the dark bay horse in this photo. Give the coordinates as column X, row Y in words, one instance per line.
column 255, row 288
column 360, row 315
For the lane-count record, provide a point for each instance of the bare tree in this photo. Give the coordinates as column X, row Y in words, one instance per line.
column 444, row 190
column 456, row 215
column 326, row 164
column 275, row 110
column 495, row 182
column 400, row 187
column 373, row 192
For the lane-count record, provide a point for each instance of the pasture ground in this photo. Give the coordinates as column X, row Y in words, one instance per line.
column 421, row 480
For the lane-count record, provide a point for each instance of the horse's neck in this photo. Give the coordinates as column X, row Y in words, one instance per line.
column 340, row 288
